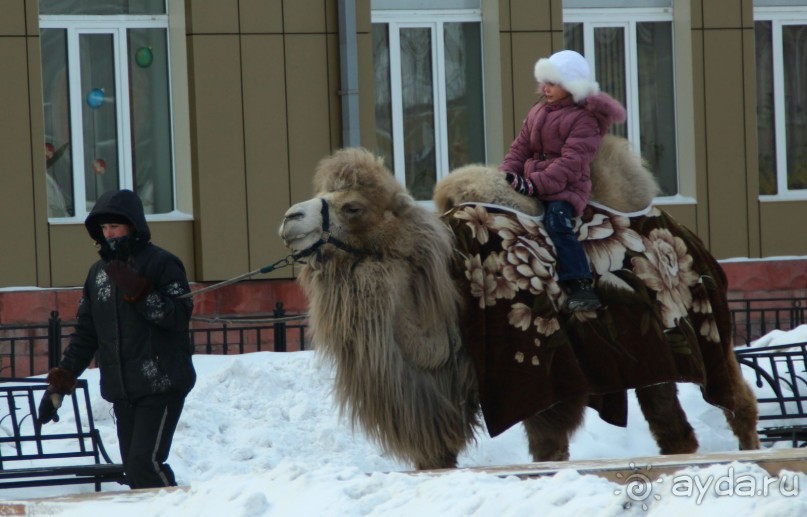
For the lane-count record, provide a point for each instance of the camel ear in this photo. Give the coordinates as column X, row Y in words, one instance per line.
column 401, row 202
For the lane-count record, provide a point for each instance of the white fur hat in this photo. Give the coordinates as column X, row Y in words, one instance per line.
column 570, row 70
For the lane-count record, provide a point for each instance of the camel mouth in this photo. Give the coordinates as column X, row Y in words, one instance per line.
column 301, row 241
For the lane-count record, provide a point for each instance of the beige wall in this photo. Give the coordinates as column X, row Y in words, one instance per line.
column 20, row 234
column 530, row 29
column 722, row 33
column 263, row 80
column 264, row 110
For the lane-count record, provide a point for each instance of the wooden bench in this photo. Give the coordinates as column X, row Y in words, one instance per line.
column 781, row 372
column 65, row 453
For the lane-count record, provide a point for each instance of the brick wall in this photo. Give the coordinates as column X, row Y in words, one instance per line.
column 747, row 279
column 252, row 297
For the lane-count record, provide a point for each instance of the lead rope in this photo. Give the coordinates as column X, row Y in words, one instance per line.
column 325, row 238
column 284, row 262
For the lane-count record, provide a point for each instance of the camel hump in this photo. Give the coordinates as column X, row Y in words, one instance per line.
column 481, row 183
column 619, row 177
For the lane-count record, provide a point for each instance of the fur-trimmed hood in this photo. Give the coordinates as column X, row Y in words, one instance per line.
column 606, row 109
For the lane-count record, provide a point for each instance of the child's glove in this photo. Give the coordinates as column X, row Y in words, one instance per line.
column 521, row 184
column 133, row 285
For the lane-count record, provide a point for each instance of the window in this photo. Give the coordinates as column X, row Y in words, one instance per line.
column 429, row 97
column 781, row 58
column 107, row 103
column 631, row 52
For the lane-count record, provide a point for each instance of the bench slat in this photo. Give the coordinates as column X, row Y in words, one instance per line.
column 102, row 470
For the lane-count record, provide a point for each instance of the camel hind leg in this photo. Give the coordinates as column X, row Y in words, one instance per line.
column 743, row 421
column 549, row 431
column 668, row 422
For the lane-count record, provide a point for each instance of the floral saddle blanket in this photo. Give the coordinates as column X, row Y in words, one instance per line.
column 665, row 316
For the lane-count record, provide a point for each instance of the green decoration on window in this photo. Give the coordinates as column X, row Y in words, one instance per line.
column 144, row 57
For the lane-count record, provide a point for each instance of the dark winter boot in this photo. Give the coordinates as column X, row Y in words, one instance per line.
column 580, row 295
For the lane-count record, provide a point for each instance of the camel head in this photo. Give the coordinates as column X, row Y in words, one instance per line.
column 357, row 205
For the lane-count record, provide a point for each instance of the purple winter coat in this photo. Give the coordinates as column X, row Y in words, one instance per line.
column 557, row 143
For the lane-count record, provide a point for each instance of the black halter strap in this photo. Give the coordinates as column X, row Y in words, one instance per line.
column 327, row 238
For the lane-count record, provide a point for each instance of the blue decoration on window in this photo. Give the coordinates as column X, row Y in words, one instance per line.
column 95, row 98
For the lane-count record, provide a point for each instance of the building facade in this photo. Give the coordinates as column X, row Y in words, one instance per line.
column 217, row 111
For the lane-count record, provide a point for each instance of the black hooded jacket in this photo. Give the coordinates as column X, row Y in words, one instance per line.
column 143, row 347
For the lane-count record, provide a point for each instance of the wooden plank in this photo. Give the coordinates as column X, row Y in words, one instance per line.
column 617, row 470
column 51, row 505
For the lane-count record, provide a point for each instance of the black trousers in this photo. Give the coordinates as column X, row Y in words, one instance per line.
column 145, row 432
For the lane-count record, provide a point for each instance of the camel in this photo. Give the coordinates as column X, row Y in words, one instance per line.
column 396, row 306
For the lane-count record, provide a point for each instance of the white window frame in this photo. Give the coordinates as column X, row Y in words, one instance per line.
column 117, row 25
column 780, row 17
column 434, row 20
column 627, row 18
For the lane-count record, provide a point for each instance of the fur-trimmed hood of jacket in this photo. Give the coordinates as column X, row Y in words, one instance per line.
column 606, row 109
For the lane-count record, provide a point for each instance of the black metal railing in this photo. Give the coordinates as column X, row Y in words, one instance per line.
column 32, row 349
column 755, row 317
column 780, row 376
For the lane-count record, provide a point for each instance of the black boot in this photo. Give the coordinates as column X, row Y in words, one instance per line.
column 580, row 295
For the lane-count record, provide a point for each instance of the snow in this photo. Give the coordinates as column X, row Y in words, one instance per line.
column 260, row 436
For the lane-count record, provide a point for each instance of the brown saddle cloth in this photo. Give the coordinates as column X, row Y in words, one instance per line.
column 665, row 319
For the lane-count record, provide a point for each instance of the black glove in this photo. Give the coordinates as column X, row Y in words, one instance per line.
column 61, row 382
column 133, row 285
column 50, row 403
column 521, row 184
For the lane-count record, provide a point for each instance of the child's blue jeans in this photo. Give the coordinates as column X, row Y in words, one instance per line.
column 572, row 261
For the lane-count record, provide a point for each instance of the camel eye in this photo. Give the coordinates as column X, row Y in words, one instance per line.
column 352, row 209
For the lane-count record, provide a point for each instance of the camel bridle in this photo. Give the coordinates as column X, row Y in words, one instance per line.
column 326, row 238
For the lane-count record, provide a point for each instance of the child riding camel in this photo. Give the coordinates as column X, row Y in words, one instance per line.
column 550, row 159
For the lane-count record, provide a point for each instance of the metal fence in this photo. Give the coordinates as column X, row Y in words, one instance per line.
column 754, row 317
column 32, row 349
column 27, row 350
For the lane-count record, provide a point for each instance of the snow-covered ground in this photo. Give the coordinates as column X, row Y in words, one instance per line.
column 260, row 437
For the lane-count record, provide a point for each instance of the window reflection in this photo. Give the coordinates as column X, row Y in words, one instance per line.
column 56, row 104
column 429, row 98
column 107, row 105
column 418, row 111
column 794, row 52
column 101, row 7
column 650, row 79
column 766, row 114
column 465, row 108
column 99, row 115
column 383, row 95
column 151, row 119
